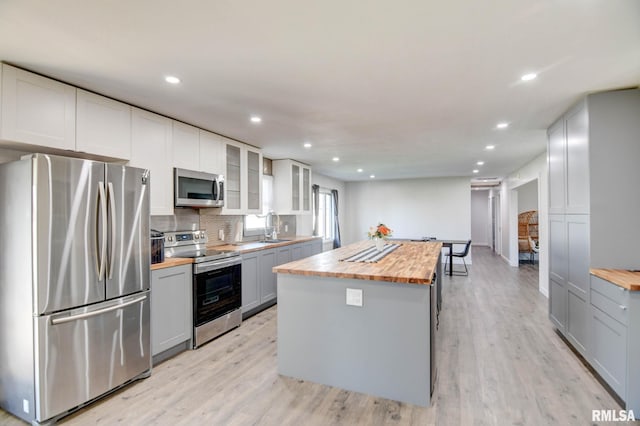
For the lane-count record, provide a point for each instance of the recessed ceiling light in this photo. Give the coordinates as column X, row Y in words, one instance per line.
column 372, row 176
column 359, row 170
column 256, row 119
column 336, row 159
column 480, row 163
column 307, row 145
column 476, row 171
column 172, row 79
column 502, row 125
column 529, row 77
column 489, row 147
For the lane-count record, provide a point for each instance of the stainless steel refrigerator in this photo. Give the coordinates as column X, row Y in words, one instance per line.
column 74, row 282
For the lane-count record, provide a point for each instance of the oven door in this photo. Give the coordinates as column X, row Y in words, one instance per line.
column 217, row 290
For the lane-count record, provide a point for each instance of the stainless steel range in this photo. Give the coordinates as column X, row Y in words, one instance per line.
column 217, row 284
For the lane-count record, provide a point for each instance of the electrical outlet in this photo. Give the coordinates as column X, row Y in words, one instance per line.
column 354, row 297
column 221, row 234
column 286, row 228
column 25, row 406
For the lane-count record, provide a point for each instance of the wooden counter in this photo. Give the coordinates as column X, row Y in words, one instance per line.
column 249, row 247
column 620, row 277
column 170, row 262
column 411, row 263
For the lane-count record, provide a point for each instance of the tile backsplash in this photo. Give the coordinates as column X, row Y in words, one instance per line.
column 212, row 222
column 181, row 220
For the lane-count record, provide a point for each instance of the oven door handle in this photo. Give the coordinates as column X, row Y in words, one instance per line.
column 212, row 266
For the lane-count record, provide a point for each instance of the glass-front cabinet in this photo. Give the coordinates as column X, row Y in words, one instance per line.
column 292, row 187
column 242, row 179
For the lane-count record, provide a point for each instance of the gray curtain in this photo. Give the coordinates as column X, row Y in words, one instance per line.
column 315, row 193
column 336, row 230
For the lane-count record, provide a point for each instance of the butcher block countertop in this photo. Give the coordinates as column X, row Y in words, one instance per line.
column 620, row 277
column 411, row 263
column 255, row 246
column 171, row 262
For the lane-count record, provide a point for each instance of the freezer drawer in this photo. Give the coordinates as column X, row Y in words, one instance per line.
column 88, row 351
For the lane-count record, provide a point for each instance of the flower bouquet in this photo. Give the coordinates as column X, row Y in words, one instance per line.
column 379, row 234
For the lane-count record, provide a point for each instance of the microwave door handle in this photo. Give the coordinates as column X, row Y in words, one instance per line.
column 221, row 191
column 214, row 189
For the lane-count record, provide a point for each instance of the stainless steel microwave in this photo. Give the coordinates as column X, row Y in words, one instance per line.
column 198, row 189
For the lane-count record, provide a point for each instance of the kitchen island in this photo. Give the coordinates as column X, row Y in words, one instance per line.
column 360, row 326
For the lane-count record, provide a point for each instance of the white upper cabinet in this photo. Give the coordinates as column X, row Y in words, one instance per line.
column 242, row 179
column 103, row 126
column 292, row 187
column 152, row 148
column 197, row 149
column 37, row 110
column 212, row 153
column 253, row 158
column 186, row 146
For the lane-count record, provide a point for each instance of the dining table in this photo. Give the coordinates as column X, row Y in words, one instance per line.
column 445, row 243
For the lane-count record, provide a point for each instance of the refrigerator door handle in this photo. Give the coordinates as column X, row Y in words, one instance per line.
column 56, row 321
column 112, row 215
column 103, row 213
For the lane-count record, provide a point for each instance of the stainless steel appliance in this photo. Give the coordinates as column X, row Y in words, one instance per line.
column 74, row 283
column 217, row 284
column 198, row 189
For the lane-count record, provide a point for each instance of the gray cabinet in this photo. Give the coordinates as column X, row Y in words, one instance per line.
column 558, row 265
column 592, row 203
column 268, row 259
column 250, row 281
column 259, row 283
column 556, row 152
column 577, row 160
column 578, row 279
column 171, row 308
column 284, row 255
column 609, row 320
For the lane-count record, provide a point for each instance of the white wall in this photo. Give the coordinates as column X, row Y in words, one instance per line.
column 528, row 196
column 430, row 207
column 480, row 219
column 536, row 169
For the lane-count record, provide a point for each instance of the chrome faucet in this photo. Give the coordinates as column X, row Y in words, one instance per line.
column 271, row 227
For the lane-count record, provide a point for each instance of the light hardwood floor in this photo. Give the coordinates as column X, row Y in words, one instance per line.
column 499, row 363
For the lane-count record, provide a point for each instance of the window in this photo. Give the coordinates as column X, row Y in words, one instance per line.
column 325, row 216
column 254, row 225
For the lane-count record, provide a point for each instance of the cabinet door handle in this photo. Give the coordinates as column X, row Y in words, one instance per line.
column 624, row 308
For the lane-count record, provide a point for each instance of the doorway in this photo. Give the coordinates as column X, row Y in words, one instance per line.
column 528, row 223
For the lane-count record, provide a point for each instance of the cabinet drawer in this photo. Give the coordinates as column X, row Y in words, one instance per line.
column 615, row 310
column 609, row 350
column 616, row 293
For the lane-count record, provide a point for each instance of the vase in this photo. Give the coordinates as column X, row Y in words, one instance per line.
column 379, row 243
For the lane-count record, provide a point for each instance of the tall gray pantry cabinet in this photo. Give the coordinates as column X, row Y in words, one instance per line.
column 594, row 205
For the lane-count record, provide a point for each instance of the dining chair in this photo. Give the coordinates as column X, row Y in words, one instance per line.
column 461, row 254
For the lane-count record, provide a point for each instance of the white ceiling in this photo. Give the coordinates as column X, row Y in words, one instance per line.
column 402, row 89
